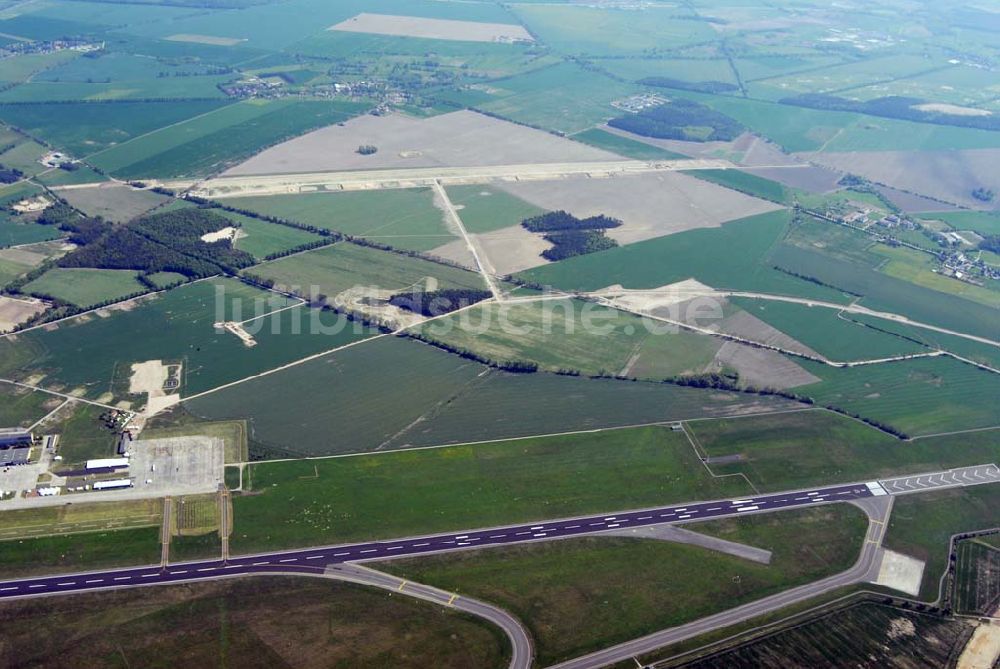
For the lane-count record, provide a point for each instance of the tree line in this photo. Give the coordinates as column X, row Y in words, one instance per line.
column 678, row 119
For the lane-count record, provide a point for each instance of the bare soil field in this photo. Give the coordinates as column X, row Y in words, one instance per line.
column 13, row 311
column 458, row 139
column 914, row 204
column 761, row 367
column 413, row 26
column 115, row 202
column 746, row 325
column 507, row 250
column 945, row 175
column 649, row 205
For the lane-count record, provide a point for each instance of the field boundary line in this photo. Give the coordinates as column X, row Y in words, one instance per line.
column 48, row 415
column 452, row 213
column 696, row 445
column 954, row 432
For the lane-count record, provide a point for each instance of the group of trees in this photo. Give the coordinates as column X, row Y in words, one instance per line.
column 9, row 175
column 681, row 119
column 983, row 194
column 894, row 106
column 990, row 243
column 696, row 86
column 571, row 236
column 438, row 302
column 167, row 242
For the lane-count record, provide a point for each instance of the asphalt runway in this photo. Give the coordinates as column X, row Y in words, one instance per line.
column 319, row 558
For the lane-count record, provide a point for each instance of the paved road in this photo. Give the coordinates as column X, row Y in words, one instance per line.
column 863, row 570
column 522, row 652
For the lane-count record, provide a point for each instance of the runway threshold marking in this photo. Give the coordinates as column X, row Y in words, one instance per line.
column 401, row 586
column 452, row 600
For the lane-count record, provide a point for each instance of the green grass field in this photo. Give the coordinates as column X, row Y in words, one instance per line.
column 485, row 208
column 334, row 269
column 412, row 492
column 807, row 448
column 983, row 222
column 21, row 407
column 623, row 146
column 82, row 436
column 94, row 353
column 234, row 622
column 552, row 587
column 80, row 552
column 86, row 287
column 921, row 526
column 401, row 218
column 733, row 256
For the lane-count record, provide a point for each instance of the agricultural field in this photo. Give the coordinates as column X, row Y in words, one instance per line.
column 875, row 633
column 985, row 223
column 22, row 407
column 83, row 128
column 550, row 586
column 335, row 269
column 117, row 203
column 977, row 577
column 623, row 146
column 382, row 495
column 457, row 139
column 213, row 141
column 235, row 622
column 85, row 287
column 82, row 434
column 732, row 256
column 261, row 238
column 407, row 219
column 176, row 325
column 440, row 398
column 486, row 208
column 799, row 449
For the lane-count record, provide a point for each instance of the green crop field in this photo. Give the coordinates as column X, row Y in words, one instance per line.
column 260, row 238
column 694, row 70
column 733, row 256
column 887, row 293
column 586, row 30
column 83, row 128
column 210, row 142
column 817, row 447
column 623, row 146
column 558, row 335
column 380, row 496
column 563, row 97
column 485, row 208
column 551, row 586
column 19, row 68
column 828, row 332
column 337, row 403
column 334, row 269
column 82, row 435
column 924, row 396
column 86, row 287
column 748, row 183
column 181, row 88
column 94, row 352
column 922, row 525
column 403, row 218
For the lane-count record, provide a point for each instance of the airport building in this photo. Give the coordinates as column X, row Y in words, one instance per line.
column 15, row 446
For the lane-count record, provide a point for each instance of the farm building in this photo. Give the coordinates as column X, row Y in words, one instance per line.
column 15, row 446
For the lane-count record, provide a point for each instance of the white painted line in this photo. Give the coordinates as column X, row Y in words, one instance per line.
column 390, row 548
column 37, row 585
column 232, row 566
column 259, row 564
column 608, row 518
column 810, row 494
column 96, row 580
column 414, row 545
column 206, row 569
column 538, row 527
column 501, row 536
column 540, row 534
column 67, row 583
column 464, row 543
column 715, row 508
column 285, row 560
column 149, row 575
column 315, row 557
column 123, row 578
column 372, row 550
column 747, row 508
column 684, row 516
column 182, row 571
column 465, row 536
column 595, row 524
column 644, row 517
column 614, row 525
column 348, row 552
column 15, row 587
column 571, row 527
